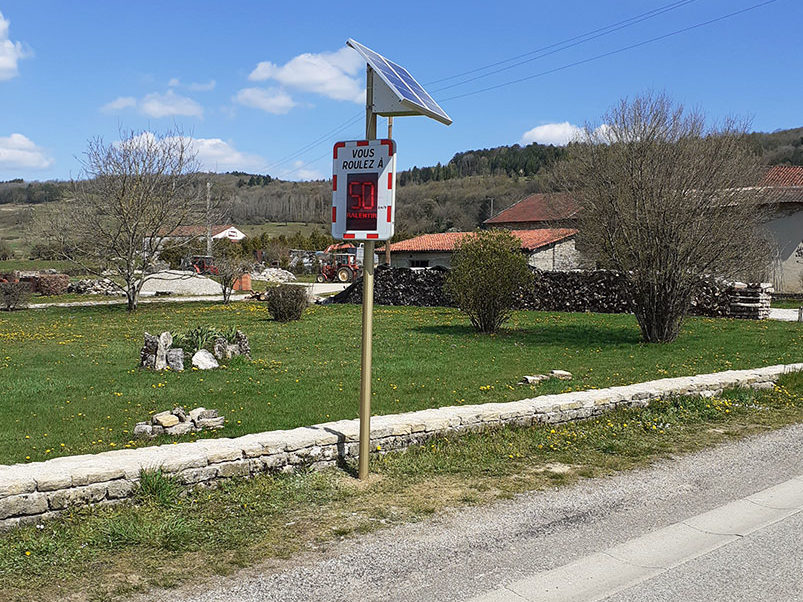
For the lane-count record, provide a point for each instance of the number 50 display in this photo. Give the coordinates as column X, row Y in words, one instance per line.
column 364, row 189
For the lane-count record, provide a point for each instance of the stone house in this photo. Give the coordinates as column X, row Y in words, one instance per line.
column 784, row 197
column 553, row 210
column 546, row 249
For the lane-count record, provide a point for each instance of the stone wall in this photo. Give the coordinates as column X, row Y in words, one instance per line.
column 39, row 490
column 598, row 291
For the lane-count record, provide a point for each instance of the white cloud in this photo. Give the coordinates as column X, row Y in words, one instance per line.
column 331, row 74
column 210, row 85
column 169, row 105
column 558, row 134
column 18, row 151
column 212, row 154
column 301, row 171
column 10, row 52
column 215, row 154
column 119, row 103
column 195, row 87
column 271, row 100
column 157, row 105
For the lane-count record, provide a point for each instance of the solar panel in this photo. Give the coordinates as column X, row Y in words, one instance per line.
column 409, row 92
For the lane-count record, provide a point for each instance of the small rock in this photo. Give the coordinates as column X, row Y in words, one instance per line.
column 175, row 359
column 182, row 428
column 196, row 413
column 210, row 423
column 208, row 414
column 533, row 380
column 143, row 430
column 157, row 430
column 165, row 419
column 203, row 360
column 561, row 374
column 178, row 412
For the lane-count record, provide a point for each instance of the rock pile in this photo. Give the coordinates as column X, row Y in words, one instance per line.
column 750, row 301
column 273, row 275
column 157, row 352
column 599, row 291
column 402, row 286
column 537, row 378
column 103, row 286
column 179, row 422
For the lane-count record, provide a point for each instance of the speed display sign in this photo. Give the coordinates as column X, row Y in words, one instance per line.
column 364, row 189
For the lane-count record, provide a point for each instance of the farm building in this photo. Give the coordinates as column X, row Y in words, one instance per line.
column 784, row 188
column 555, row 210
column 546, row 249
column 218, row 231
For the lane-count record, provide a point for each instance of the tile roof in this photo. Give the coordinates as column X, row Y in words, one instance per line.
column 538, row 208
column 783, row 176
column 446, row 241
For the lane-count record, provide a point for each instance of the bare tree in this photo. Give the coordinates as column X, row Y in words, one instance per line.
column 132, row 196
column 667, row 200
column 231, row 262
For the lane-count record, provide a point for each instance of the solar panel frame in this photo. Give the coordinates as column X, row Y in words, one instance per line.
column 410, row 93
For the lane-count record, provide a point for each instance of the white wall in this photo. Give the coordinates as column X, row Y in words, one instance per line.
column 787, row 230
column 560, row 256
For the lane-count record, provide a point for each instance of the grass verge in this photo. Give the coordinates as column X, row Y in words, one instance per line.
column 69, row 382
column 169, row 535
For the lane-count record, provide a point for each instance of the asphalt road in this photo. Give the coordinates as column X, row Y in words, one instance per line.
column 479, row 552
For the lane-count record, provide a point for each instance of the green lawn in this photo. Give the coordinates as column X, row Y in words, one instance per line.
column 69, row 381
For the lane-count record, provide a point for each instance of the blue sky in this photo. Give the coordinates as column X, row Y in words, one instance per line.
column 267, row 87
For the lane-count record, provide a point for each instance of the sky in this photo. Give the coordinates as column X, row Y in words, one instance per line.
column 268, row 87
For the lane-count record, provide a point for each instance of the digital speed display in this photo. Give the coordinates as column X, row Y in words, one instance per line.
column 361, row 207
column 363, row 189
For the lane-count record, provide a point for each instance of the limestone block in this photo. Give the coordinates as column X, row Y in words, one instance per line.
column 223, row 450
column 203, row 360
column 77, row 496
column 15, row 484
column 24, row 504
column 120, row 488
column 533, row 379
column 96, row 472
column 143, row 430
column 238, row 468
column 53, row 479
column 165, row 340
column 191, row 476
column 182, row 428
column 560, row 374
column 165, row 419
column 299, row 438
column 175, row 359
column 196, row 413
column 210, row 423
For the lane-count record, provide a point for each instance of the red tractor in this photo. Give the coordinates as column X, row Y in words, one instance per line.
column 339, row 264
column 201, row 264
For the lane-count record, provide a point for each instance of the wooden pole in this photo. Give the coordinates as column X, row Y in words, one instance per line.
column 367, row 305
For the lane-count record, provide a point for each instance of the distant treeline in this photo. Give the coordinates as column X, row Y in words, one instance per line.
column 511, row 161
column 459, row 195
column 784, row 147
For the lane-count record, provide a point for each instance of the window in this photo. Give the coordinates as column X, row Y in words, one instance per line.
column 419, row 263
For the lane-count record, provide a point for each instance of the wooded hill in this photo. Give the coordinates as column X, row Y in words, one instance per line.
column 457, row 195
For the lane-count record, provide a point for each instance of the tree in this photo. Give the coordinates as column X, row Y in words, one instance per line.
column 666, row 200
column 133, row 196
column 231, row 261
column 488, row 270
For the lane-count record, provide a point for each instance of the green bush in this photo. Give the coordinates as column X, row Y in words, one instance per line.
column 488, row 271
column 286, row 302
column 14, row 295
column 202, row 337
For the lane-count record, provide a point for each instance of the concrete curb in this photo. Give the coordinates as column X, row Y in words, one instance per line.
column 35, row 491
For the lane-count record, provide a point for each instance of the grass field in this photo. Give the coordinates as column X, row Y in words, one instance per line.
column 69, row 381
column 169, row 536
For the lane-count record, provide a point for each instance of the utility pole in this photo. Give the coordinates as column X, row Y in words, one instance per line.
column 208, row 218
